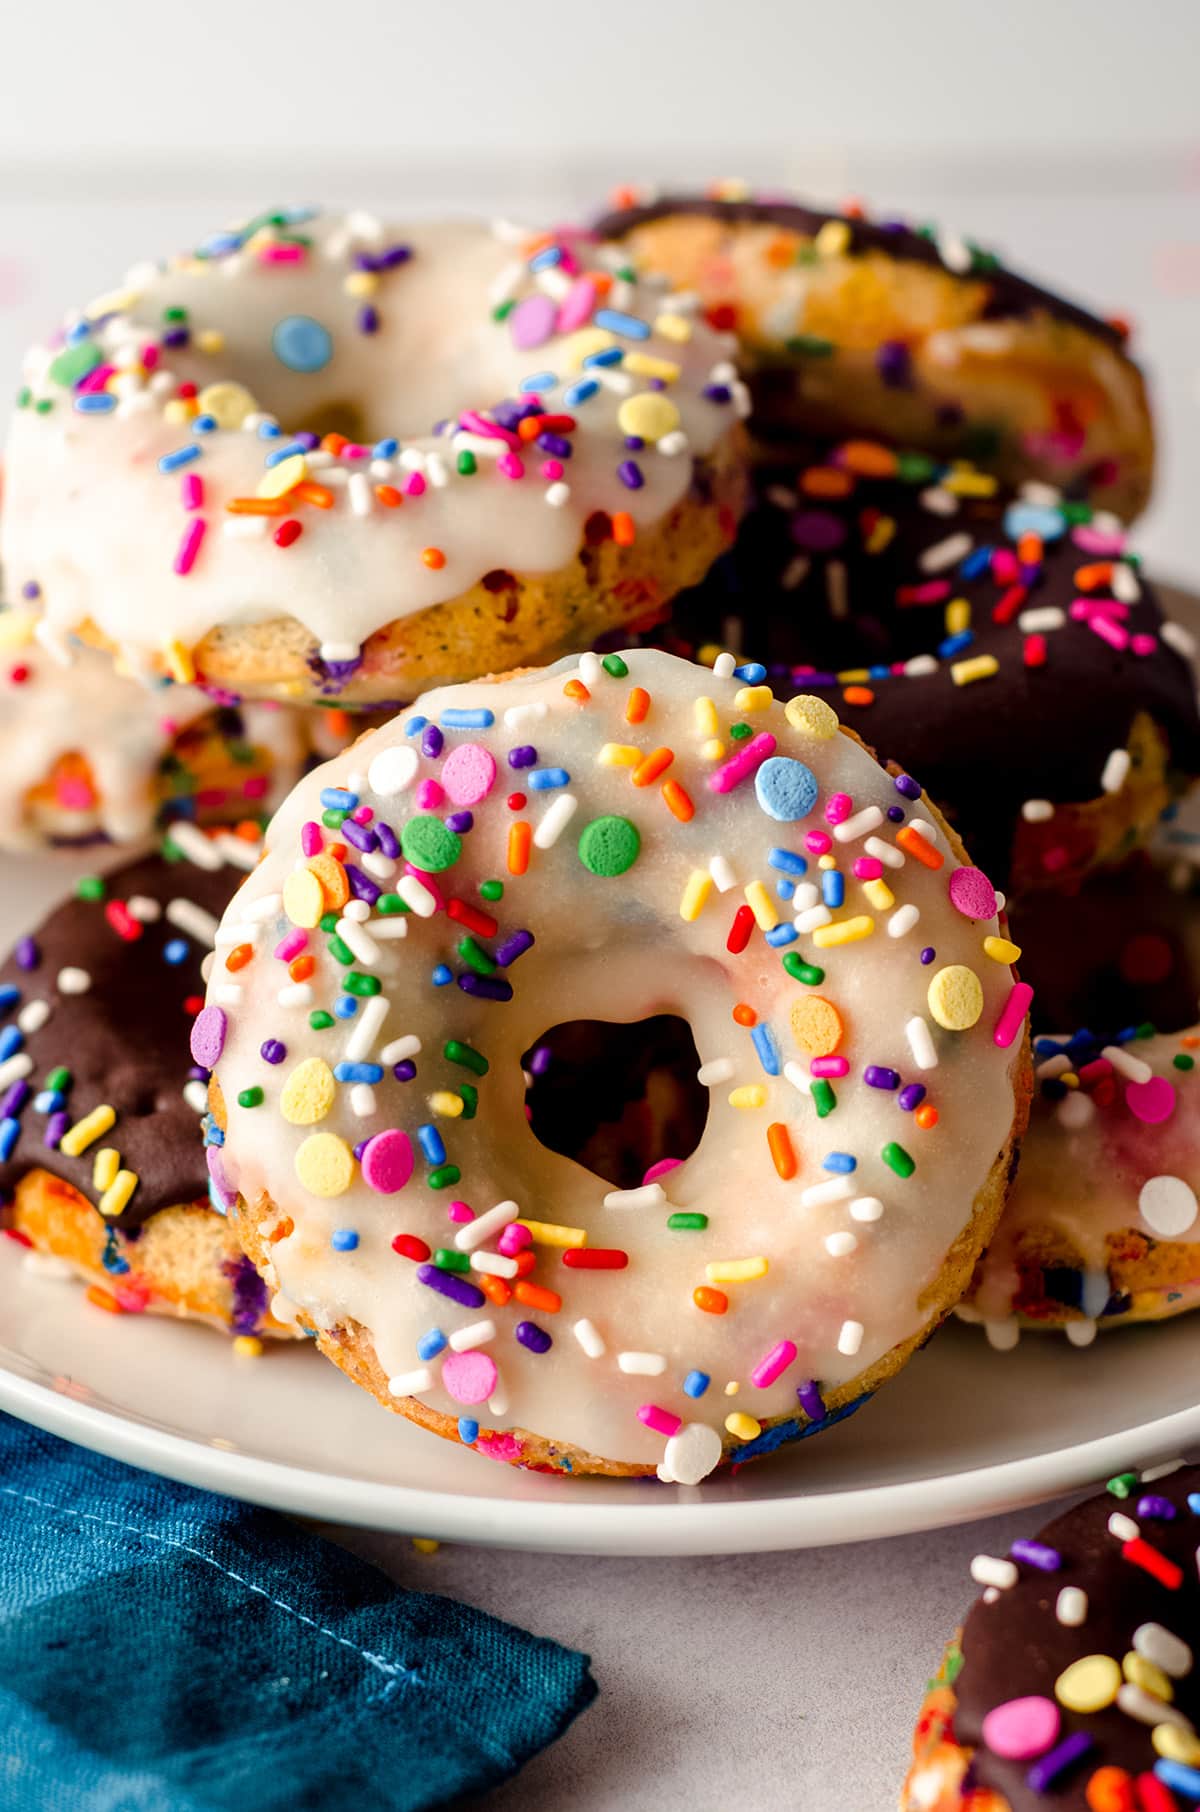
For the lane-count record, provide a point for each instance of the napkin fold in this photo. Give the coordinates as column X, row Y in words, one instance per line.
column 166, row 1650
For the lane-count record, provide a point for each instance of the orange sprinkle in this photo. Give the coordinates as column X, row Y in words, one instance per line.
column 239, row 956
column 651, row 766
column 713, row 1302
column 333, row 443
column 335, row 882
column 1029, row 549
column 1189, row 1041
column 337, row 851
column 781, row 252
column 623, row 531
column 926, row 1116
column 495, row 1289
column 817, row 1026
column 338, row 721
column 301, row 967
column 744, row 1015
column 537, row 1296
column 637, row 705
column 826, row 481
column 248, row 831
column 576, row 689
column 103, row 1300
column 1111, row 1790
column 389, row 496
column 283, row 1229
column 858, row 695
column 919, row 847
column 520, row 836
column 1090, row 578
column 782, row 1154
column 679, row 801
column 868, row 458
column 258, row 506
column 525, row 1261
column 433, row 557
column 319, row 495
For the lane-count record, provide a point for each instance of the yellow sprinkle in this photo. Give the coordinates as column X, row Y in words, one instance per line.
column 361, row 283
column 735, row 1270
column 210, row 341
column 743, row 1426
column 1068, row 1079
column 956, row 997
column 832, row 240
column 179, row 661
column 309, row 1092
column 118, row 1192
column 879, row 895
column 443, row 1102
column 853, row 676
column 16, row 628
column 105, row 1166
column 303, row 900
column 958, row 616
column 754, row 698
column 649, row 415
column 78, row 1137
column 695, row 894
column 713, row 750
column 704, row 715
column 1176, row 1745
column 644, row 364
column 752, row 1095
column 882, row 532
column 113, row 302
column 1001, row 950
column 1140, row 1672
column 180, row 410
column 325, row 1164
column 229, row 404
column 759, row 902
column 547, row 1233
column 572, row 351
column 248, row 1346
column 619, row 755
column 278, row 480
column 811, row 716
column 845, row 931
column 424, row 1544
column 826, row 861
column 964, row 481
column 673, row 327
column 981, row 667
column 707, row 653
column 1089, row 1684
column 732, row 1388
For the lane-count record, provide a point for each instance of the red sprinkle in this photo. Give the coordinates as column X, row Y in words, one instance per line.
column 740, row 930
column 287, row 532
column 409, row 1246
column 1010, row 604
column 481, row 923
column 1153, row 1562
column 122, row 921
column 595, row 1258
column 1035, row 651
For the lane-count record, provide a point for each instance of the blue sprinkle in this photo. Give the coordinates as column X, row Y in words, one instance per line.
column 1193, row 1502
column 1177, row 1774
column 176, row 951
column 1045, row 520
column 415, row 725
column 358, row 1072
column 768, row 1051
column 204, row 424
column 696, row 1383
column 431, row 1143
column 78, row 333
column 840, row 1161
column 11, row 1041
column 384, row 449
column 833, row 887
column 431, row 1344
column 337, row 799
column 788, row 861
column 343, row 1239
column 442, row 976
column 10, row 994
column 49, row 1101
column 214, row 1200
column 543, row 779
column 976, row 563
column 954, row 644
column 785, row 888
column 780, row 935
column 468, row 1431
column 182, row 456
column 10, row 1132
column 95, row 402
column 345, row 1006
column 611, row 355
column 545, row 260
column 278, row 454
column 615, row 321
column 785, row 789
column 479, row 719
column 269, row 431
column 879, row 672
column 579, row 393
column 751, row 673
column 540, row 380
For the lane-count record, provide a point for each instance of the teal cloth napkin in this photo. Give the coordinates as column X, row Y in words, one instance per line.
column 165, row 1650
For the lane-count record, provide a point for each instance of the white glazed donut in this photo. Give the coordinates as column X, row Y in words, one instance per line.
column 180, row 485
column 677, row 841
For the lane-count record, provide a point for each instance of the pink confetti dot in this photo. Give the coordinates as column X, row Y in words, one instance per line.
column 1022, row 1728
column 208, row 1036
column 972, row 894
column 533, row 321
column 1151, row 1102
column 469, row 1377
column 469, row 773
column 387, row 1161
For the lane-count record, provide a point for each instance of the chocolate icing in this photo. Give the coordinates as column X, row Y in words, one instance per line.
column 981, row 749
column 1016, row 1645
column 1009, row 294
column 125, row 1041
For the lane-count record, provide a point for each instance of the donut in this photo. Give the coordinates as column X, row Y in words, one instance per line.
column 103, row 1170
column 615, row 839
column 321, row 456
column 856, row 326
column 1003, row 645
column 1072, row 1685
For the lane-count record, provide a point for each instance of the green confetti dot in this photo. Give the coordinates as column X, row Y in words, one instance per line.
column 739, row 732
column 1183, row 1062
column 897, row 1159
column 491, row 890
column 43, row 405
column 503, row 309
column 24, row 397
column 914, row 468
column 320, row 1021
column 250, row 1097
column 174, row 313
column 687, row 1223
column 429, row 845
column 609, row 846
column 614, row 666
column 74, row 362
column 90, row 887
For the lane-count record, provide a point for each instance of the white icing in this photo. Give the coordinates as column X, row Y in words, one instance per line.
column 618, row 949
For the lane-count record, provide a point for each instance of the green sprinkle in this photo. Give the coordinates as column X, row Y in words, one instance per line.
column 466, row 1054
column 175, row 313
column 340, row 952
column 1123, row 1485
column 334, row 818
column 952, row 1665
column 75, row 363
column 43, row 405
column 809, row 346
column 609, row 846
column 503, row 310
column 24, row 397
column 427, row 844
column 58, row 1081
column 320, row 1021
column 687, row 1223
column 739, row 732
column 914, row 468
column 446, row 1259
column 250, row 1097
column 362, row 985
column 491, row 890
column 470, row 1100
column 800, row 971
column 467, row 464
column 614, row 666
column 1147, row 1029
column 476, row 957
column 389, row 904
column 1182, row 1061
column 90, row 887
column 897, row 1159
column 823, row 1099
column 327, row 922
column 444, row 1177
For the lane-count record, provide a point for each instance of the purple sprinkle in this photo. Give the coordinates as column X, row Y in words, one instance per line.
column 405, row 1070
column 911, row 1096
column 272, row 1051
column 432, row 742
column 1161, row 1507
column 634, row 443
column 389, row 843
column 904, row 783
column 27, row 954
column 556, row 445
column 14, row 1100
column 928, row 954
column 198, row 1073
column 305, row 439
column 249, row 1298
column 811, row 1401
column 818, row 532
column 716, row 393
column 894, row 365
column 360, row 885
column 359, row 1149
column 541, row 1060
column 513, row 946
column 177, row 336
column 368, row 319
column 449, row 1283
column 460, row 821
column 208, row 1036
column 361, row 835
column 1042, row 1776
column 56, row 1126
column 877, row 1075
column 523, row 757
column 1037, row 1554
column 485, row 987
column 530, row 1335
column 630, row 474
column 31, row 589
column 896, row 814
column 341, row 672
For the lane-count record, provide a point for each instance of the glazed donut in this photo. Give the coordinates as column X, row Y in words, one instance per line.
column 102, row 1164
column 1005, row 647
column 1072, row 1686
column 851, row 326
column 322, row 456
column 615, row 839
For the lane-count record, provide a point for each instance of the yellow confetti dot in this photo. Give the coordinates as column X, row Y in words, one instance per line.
column 335, row 882
column 105, row 1167
column 278, row 480
column 1001, row 950
column 752, row 1095
column 695, row 894
column 761, row 905
column 832, row 240
column 713, row 750
column 649, row 415
column 303, row 900
column 735, row 1270
column 209, row 341
column 811, row 716
column 248, row 1346
column 826, row 861
column 572, row 351
column 309, row 1093
column 78, row 1137
column 325, row 1164
column 547, row 1233
column 361, row 283
column 228, row 404
column 1176, row 1745
column 644, row 364
column 956, row 997
column 424, row 1544
column 744, row 1427
column 16, row 628
column 1151, row 1678
column 879, row 895
column 754, row 698
column 180, row 410
column 1089, row 1684
column 817, row 1026
column 845, row 931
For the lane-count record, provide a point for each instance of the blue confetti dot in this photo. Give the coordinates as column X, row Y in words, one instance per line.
column 696, row 1383
column 442, row 977
column 301, row 343
column 468, row 1431
column 343, row 1239
column 1045, row 520
column 176, row 951
column 345, row 1006
column 786, row 789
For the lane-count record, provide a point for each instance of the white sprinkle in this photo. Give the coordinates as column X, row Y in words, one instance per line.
column 390, row 929
column 225, row 994
column 1037, row 622
column 650, row 1195
column 642, row 1365
column 236, row 931
column 73, row 981
column 359, row 941
column 1180, row 639
column 362, row 1100
column 591, row 669
column 673, row 444
column 54, row 642
column 1075, row 1111
column 812, row 918
column 194, row 845
column 1053, row 1066
column 589, row 1339
column 841, row 1245
column 807, row 894
column 834, row 1189
column 1036, row 490
column 987, row 1569
column 920, row 1043
column 557, row 495
column 411, row 1384
column 1080, row 1332
column 357, row 910
column 555, row 821
column 435, row 471
column 145, row 910
column 1002, row 1336
column 939, row 502
column 1162, row 1471
column 416, row 896
column 887, row 853
column 866, row 1208
column 945, row 553
column 1147, row 1709
column 193, row 919
column 923, row 827
column 400, row 1048
column 340, row 651
column 1116, row 771
column 296, row 994
column 903, row 920
column 724, row 665
column 492, row 1220
column 721, row 870
column 392, row 770
column 850, row 1338
column 1071, row 1606
column 719, row 1070
column 798, row 1076
column 1126, row 587
column 377, row 864
column 493, row 1264
column 15, row 1068
column 244, row 528
column 920, row 665
column 1123, row 1527
column 365, row 1027
column 196, row 1095
column 498, row 1403
column 1136, row 1069
column 1162, row 1646
column 517, row 716
column 33, row 1016
column 869, row 819
column 266, row 907
column 477, row 1334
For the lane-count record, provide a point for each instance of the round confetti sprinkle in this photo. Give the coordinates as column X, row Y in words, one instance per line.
column 208, row 1036
column 609, row 846
column 325, row 1164
column 303, row 899
column 811, row 716
column 956, row 997
column 301, row 343
column 229, row 404
column 392, row 771
column 786, row 789
column 691, row 1454
column 1021, row 1729
column 469, row 773
column 309, row 1092
column 387, row 1161
column 1151, row 1102
column 972, row 894
column 816, row 1026
column 1089, row 1684
column 469, row 1377
column 649, row 415
column 1168, row 1205
column 427, row 844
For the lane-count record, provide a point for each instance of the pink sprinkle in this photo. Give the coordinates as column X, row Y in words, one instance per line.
column 95, row 380
column 818, row 843
column 191, row 491
column 74, row 793
column 461, row 1212
column 474, row 423
column 430, row 794
column 972, row 894
column 503, row 1447
column 577, row 305
column 189, row 546
column 829, row 1066
column 363, row 814
column 1005, row 567
column 291, row 945
column 281, row 254
column 868, row 868
column 1144, row 644
column 469, row 773
column 414, row 485
column 1109, row 632
column 430, row 886
column 510, row 465
column 469, row 1377
column 149, row 357
column 514, row 1239
column 387, row 1161
column 1151, row 1102
column 552, row 470
column 932, row 592
column 1012, row 1015
column 312, row 840
column 773, row 1365
column 739, row 767
column 1095, row 541
column 355, row 450
column 838, row 808
column 1021, row 1729
column 1083, row 610
column 1056, row 859
column 132, row 1298
column 255, row 787
column 660, row 1169
column 660, row 1420
column 532, row 321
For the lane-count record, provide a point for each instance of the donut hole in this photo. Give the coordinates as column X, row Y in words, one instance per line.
column 618, row 1099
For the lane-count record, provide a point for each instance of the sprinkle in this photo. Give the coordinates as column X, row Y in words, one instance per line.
column 86, row 1131
column 850, row 1338
column 735, row 1270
